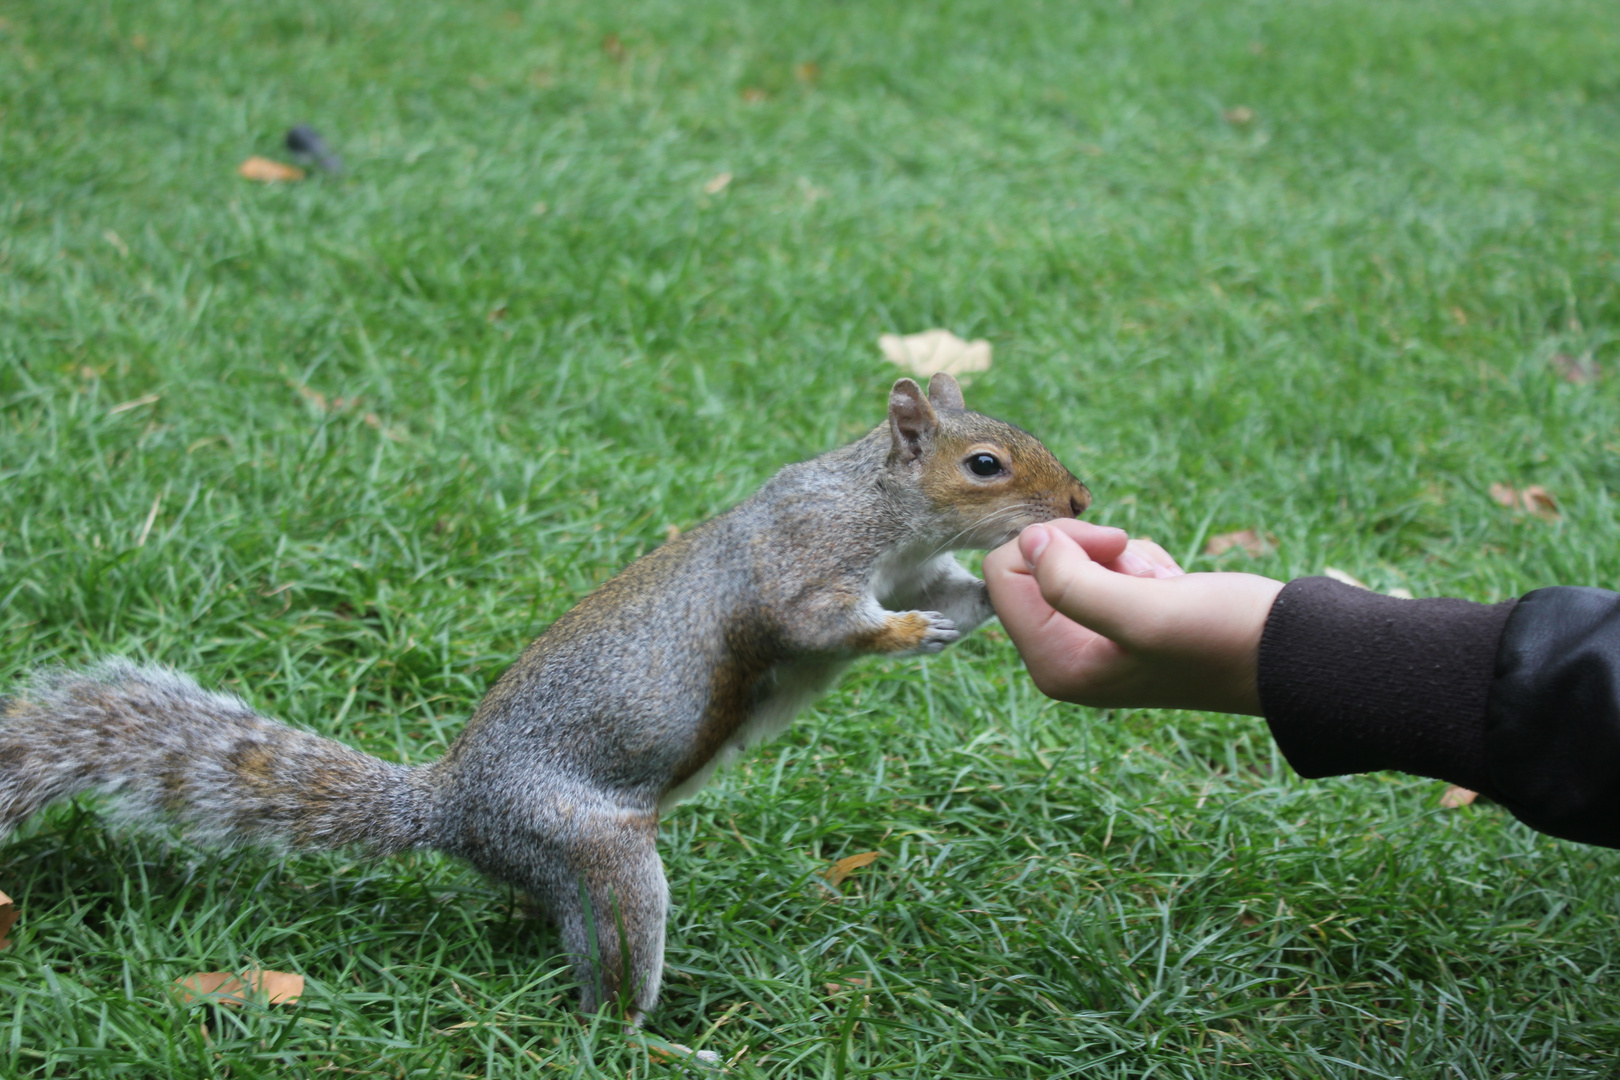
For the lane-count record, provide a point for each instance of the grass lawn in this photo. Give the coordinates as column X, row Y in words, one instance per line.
column 342, row 446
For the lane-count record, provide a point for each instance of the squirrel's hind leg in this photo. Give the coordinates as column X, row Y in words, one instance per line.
column 604, row 886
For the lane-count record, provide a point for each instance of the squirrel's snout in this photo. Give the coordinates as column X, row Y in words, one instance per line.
column 1079, row 501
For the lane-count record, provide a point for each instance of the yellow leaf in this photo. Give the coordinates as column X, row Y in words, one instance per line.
column 933, row 351
column 1343, row 577
column 1247, row 539
column 279, row 987
column 266, row 171
column 1457, row 796
column 846, row 866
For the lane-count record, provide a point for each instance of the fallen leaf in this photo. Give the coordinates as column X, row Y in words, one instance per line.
column 808, row 72
column 854, row 982
column 1247, row 539
column 1340, row 576
column 613, row 48
column 718, row 184
column 753, row 95
column 1539, row 501
column 1457, row 796
column 1459, row 316
column 838, row 871
column 1239, row 116
column 933, row 351
column 134, row 403
column 266, row 171
column 497, row 313
column 1577, row 369
column 1534, row 499
column 8, row 919
column 279, row 987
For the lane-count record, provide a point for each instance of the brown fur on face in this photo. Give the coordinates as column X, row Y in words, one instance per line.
column 1032, row 485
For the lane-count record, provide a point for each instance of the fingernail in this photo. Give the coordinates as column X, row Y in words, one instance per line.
column 1031, row 542
column 1135, row 565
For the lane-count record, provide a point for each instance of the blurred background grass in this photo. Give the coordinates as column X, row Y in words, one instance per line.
column 343, row 445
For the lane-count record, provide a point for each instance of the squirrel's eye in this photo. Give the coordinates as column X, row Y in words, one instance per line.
column 984, row 464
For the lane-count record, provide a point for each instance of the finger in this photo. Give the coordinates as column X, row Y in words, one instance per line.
column 1016, row 596
column 1156, row 555
column 1092, row 595
column 1102, row 542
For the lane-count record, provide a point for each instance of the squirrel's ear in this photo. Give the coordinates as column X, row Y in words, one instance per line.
column 944, row 392
column 911, row 419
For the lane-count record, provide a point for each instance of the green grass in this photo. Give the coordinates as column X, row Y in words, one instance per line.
column 1332, row 323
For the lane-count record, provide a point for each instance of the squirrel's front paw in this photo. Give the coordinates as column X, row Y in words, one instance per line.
column 907, row 632
column 940, row 632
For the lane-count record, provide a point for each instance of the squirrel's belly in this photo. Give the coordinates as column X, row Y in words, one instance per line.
column 779, row 695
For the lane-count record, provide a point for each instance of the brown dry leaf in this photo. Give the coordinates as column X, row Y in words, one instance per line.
column 1534, row 499
column 1239, row 116
column 718, row 184
column 854, row 982
column 613, row 48
column 838, row 871
column 279, row 987
column 1457, row 796
column 1577, row 369
column 808, row 72
column 933, row 351
column 753, row 95
column 1247, row 539
column 1539, row 501
column 266, row 171
column 8, row 919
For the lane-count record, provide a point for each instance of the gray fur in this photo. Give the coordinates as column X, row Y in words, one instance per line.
column 625, row 705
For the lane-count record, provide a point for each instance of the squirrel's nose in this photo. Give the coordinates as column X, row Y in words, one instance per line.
column 1079, row 501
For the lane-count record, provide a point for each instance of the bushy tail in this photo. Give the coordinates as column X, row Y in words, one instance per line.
column 169, row 751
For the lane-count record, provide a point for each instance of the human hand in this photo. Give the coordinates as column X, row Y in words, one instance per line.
column 1102, row 619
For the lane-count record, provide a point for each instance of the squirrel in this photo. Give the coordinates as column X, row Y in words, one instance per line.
column 702, row 647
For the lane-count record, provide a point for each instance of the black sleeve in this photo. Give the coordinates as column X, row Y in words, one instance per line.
column 1519, row 701
column 1352, row 681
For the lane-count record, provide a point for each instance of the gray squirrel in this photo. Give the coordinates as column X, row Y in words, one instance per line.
column 627, row 704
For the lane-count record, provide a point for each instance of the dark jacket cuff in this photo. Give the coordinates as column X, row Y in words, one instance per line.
column 1352, row 681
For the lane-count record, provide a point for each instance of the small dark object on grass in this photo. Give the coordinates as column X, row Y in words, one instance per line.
column 306, row 142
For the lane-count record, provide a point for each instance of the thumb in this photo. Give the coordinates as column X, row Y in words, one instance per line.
column 1082, row 589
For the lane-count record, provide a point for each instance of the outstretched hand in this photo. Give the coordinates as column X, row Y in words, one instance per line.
column 1102, row 619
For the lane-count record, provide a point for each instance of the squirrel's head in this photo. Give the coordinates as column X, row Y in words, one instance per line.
column 985, row 479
